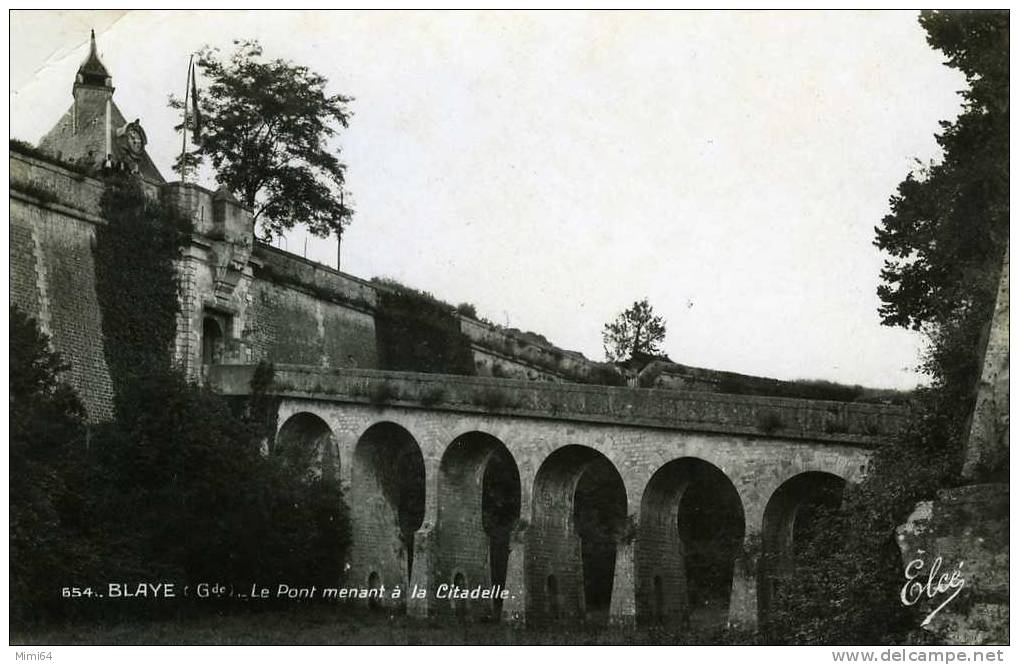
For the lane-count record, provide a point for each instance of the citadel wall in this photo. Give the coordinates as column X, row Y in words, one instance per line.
column 53, row 215
column 242, row 301
column 265, row 303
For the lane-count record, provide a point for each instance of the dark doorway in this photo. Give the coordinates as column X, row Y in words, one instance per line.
column 212, row 341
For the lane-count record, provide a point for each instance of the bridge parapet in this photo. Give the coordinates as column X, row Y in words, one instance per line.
column 866, row 425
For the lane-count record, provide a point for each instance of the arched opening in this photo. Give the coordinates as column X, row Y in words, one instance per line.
column 790, row 520
column 599, row 513
column 689, row 537
column 479, row 504
column 212, row 341
column 659, row 599
column 373, row 586
column 552, row 592
column 388, row 499
column 578, row 518
column 460, row 604
column 307, row 443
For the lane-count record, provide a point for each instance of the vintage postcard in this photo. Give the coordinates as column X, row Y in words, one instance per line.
column 510, row 328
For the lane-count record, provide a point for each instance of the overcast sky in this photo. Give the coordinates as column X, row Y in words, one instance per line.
column 554, row 167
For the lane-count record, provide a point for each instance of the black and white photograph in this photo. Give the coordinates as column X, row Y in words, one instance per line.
column 509, row 328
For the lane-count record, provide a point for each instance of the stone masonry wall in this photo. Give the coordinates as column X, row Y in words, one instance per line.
column 667, row 427
column 757, row 466
column 53, row 215
column 845, row 422
column 287, row 325
column 295, row 311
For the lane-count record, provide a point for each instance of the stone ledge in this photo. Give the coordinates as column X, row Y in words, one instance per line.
column 860, row 425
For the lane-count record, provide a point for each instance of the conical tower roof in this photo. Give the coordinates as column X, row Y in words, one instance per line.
column 93, row 71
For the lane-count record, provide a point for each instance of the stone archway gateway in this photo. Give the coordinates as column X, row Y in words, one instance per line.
column 578, row 518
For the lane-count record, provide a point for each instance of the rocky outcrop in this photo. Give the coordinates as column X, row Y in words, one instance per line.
column 955, row 548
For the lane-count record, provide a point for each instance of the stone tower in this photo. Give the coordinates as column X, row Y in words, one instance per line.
column 93, row 130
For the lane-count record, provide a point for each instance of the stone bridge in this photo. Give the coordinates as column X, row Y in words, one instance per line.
column 582, row 502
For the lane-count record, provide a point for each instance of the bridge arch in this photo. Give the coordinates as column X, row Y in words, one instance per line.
column 387, row 502
column 478, row 508
column 579, row 510
column 689, row 537
column 306, row 441
column 789, row 517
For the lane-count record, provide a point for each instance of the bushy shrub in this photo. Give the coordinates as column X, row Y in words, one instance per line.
column 605, row 374
column 847, row 575
column 467, row 309
column 47, row 437
column 383, row 393
column 493, row 399
column 433, row 395
column 416, row 332
column 769, row 422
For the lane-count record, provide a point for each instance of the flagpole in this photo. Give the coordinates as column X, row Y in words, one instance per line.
column 339, row 233
column 184, row 139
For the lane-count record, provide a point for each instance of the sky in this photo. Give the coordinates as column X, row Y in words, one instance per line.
column 554, row 167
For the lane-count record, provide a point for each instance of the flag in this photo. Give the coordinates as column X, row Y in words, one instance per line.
column 196, row 114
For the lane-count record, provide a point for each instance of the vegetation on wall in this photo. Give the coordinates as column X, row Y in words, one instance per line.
column 604, row 374
column 416, row 332
column 44, row 195
column 136, row 282
column 26, row 148
column 811, row 389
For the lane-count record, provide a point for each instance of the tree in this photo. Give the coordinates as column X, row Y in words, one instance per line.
column 634, row 333
column 47, row 430
column 265, row 126
column 945, row 236
column 948, row 225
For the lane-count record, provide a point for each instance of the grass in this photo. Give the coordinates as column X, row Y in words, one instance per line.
column 433, row 395
column 43, row 194
column 769, row 422
column 335, row 625
column 383, row 393
column 493, row 399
